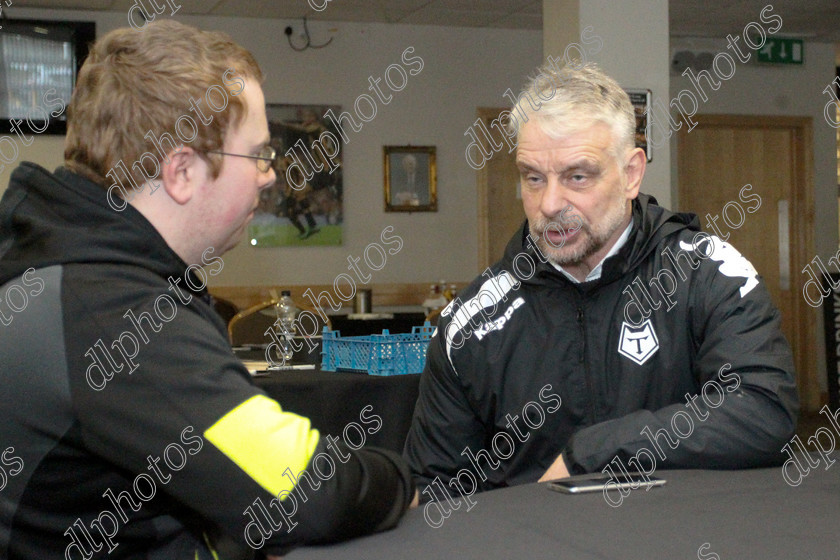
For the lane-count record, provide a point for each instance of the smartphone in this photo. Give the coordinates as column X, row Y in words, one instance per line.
column 596, row 482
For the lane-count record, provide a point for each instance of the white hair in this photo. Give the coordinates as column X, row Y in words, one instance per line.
column 568, row 100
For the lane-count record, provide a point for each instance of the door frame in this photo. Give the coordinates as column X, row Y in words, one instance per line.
column 484, row 257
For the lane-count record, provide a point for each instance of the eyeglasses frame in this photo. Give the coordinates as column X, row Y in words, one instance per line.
column 261, row 158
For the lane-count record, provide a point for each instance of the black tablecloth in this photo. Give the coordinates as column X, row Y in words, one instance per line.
column 400, row 323
column 751, row 514
column 334, row 400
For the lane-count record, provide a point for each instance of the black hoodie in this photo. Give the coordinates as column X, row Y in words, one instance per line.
column 672, row 359
column 130, row 428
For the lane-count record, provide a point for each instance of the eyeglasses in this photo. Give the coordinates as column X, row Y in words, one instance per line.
column 265, row 158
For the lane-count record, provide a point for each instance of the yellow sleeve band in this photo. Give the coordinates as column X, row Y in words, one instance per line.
column 263, row 441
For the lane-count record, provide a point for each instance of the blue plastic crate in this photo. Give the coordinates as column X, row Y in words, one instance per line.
column 377, row 354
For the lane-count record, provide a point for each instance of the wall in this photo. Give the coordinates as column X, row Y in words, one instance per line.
column 463, row 69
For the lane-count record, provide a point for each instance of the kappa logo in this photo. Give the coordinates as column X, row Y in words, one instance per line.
column 732, row 263
column 638, row 343
column 499, row 323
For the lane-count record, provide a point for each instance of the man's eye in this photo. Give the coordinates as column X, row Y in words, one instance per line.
column 578, row 179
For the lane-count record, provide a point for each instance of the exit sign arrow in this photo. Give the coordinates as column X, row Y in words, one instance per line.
column 782, row 51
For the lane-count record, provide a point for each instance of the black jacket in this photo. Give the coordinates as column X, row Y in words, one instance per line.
column 125, row 411
column 526, row 365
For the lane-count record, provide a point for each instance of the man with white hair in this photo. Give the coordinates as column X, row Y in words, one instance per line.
column 598, row 341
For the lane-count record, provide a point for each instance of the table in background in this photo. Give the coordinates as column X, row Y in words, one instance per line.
column 743, row 515
column 400, row 323
column 333, row 400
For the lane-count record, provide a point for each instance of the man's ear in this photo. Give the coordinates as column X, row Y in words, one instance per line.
column 181, row 174
column 634, row 170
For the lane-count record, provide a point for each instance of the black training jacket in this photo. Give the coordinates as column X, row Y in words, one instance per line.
column 526, row 364
column 130, row 429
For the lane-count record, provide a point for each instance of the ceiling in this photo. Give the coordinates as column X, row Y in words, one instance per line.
column 816, row 20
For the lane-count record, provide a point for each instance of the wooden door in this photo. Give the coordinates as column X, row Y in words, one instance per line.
column 773, row 155
column 500, row 211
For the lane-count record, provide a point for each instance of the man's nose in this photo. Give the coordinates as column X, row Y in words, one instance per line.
column 272, row 176
column 554, row 199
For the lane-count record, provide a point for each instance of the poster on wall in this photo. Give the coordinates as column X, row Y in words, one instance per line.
column 304, row 206
column 640, row 99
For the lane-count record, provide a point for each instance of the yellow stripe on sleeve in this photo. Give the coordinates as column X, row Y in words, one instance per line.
column 263, row 441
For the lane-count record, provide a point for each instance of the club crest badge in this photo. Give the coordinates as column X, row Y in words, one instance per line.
column 638, row 343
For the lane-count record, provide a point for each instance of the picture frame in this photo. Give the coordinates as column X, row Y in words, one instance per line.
column 410, row 178
column 641, row 100
column 47, row 55
column 311, row 211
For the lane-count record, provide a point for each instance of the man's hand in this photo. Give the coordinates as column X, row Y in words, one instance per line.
column 556, row 470
column 414, row 503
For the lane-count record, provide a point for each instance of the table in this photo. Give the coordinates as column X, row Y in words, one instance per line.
column 399, row 323
column 736, row 515
column 334, row 400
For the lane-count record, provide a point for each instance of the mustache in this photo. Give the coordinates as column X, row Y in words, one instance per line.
column 562, row 223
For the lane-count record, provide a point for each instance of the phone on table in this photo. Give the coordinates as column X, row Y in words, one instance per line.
column 582, row 484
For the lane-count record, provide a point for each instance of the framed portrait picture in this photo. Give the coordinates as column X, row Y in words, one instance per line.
column 640, row 99
column 410, row 179
column 304, row 206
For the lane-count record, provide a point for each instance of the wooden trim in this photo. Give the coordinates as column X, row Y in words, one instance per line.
column 805, row 247
column 484, row 258
column 752, row 121
column 384, row 295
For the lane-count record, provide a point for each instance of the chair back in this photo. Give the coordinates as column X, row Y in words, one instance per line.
column 434, row 315
column 227, row 310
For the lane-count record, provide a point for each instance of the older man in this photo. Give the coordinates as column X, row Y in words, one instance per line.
column 575, row 352
column 130, row 429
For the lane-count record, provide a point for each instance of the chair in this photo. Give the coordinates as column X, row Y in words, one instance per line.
column 434, row 315
column 249, row 326
column 227, row 310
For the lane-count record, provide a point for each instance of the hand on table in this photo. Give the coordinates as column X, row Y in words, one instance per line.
column 556, row 470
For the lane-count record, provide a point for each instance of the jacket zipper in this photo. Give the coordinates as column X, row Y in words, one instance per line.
column 582, row 359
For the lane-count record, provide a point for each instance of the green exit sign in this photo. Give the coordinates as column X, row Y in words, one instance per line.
column 782, row 51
